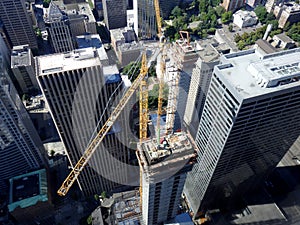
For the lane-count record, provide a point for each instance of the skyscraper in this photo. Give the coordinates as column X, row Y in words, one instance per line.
column 163, row 174
column 183, row 55
column 115, row 14
column 77, row 89
column 200, row 80
column 17, row 23
column 22, row 65
column 21, row 148
column 249, row 121
column 58, row 27
column 145, row 18
column 145, row 22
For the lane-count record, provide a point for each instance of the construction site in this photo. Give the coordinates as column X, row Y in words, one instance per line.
column 164, row 168
column 165, row 153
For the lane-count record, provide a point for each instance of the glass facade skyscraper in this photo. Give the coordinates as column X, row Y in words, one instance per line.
column 17, row 23
column 21, row 149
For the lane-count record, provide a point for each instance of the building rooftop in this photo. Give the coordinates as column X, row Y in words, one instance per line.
column 245, row 15
column 127, row 207
column 97, row 217
column 291, row 7
column 52, row 13
column 130, row 47
column 209, row 49
column 85, row 9
column 249, row 74
column 58, row 11
column 28, row 189
column 20, row 56
column 184, row 54
column 111, row 74
column 283, row 37
column 76, row 9
column 126, row 33
column 259, row 213
column 94, row 40
column 173, row 153
column 124, row 207
column 77, row 59
column 265, row 46
column 181, row 219
column 36, row 104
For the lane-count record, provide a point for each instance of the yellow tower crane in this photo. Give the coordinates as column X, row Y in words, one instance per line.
column 162, row 66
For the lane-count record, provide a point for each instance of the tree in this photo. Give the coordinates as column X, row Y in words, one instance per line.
column 152, row 70
column 211, row 30
column 294, row 32
column 270, row 17
column 176, row 12
column 230, row 27
column 274, row 32
column 89, row 220
column 215, row 2
column 226, row 17
column 46, row 3
column 219, row 11
column 241, row 45
column 261, row 13
column 170, row 32
column 180, row 21
column 213, row 21
column 52, row 152
column 274, row 24
column 194, row 18
column 237, row 38
column 96, row 197
column 287, row 26
column 103, row 194
column 203, row 4
column 153, row 96
column 132, row 70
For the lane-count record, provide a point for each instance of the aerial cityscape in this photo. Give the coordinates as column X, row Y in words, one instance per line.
column 149, row 112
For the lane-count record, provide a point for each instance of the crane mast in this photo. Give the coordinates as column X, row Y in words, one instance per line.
column 162, row 67
column 158, row 18
column 66, row 185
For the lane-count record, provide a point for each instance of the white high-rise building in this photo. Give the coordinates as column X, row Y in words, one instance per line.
column 209, row 55
column 163, row 174
column 77, row 89
column 250, row 119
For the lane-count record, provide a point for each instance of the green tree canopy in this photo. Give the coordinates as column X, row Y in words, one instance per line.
column 226, row 17
column 219, row 11
column 46, row 3
column 294, row 32
column 261, row 13
column 176, row 12
column 203, row 4
column 132, row 70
